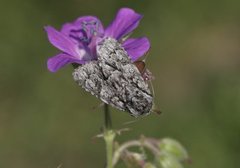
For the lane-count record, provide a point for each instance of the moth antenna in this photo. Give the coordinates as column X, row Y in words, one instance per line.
column 146, row 55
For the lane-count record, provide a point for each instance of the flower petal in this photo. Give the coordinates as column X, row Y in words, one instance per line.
column 136, row 47
column 61, row 41
column 124, row 23
column 60, row 60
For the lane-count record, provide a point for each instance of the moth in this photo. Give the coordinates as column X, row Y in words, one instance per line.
column 116, row 80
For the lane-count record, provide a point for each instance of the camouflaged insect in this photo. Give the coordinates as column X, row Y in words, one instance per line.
column 104, row 59
column 115, row 80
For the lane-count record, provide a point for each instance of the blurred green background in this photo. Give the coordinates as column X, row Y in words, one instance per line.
column 46, row 120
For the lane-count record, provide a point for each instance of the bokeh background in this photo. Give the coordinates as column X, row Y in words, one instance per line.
column 46, row 120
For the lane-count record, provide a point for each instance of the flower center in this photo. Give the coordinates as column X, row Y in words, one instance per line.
column 88, row 30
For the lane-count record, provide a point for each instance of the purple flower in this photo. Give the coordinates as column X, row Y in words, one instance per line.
column 78, row 40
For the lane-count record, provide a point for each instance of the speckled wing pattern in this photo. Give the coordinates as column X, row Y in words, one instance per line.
column 115, row 80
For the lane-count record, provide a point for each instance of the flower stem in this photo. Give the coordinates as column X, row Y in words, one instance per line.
column 107, row 117
column 108, row 135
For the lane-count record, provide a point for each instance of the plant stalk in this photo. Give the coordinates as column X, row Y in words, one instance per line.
column 107, row 117
column 108, row 135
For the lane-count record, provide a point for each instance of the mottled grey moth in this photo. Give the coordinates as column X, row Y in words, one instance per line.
column 115, row 80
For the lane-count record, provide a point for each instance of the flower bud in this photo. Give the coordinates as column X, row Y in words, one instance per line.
column 133, row 160
column 174, row 148
column 166, row 160
column 149, row 165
